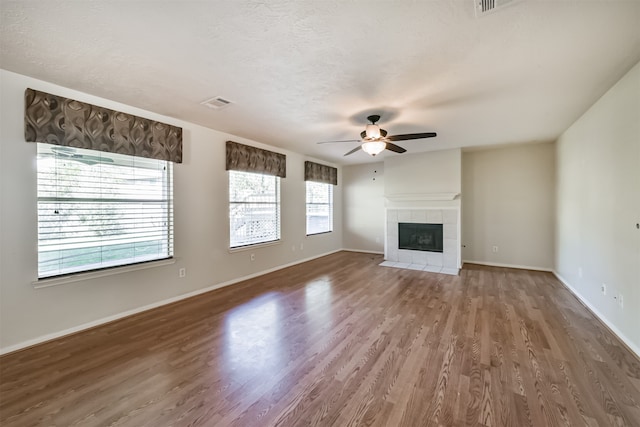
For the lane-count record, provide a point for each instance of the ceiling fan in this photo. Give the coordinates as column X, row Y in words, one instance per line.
column 375, row 140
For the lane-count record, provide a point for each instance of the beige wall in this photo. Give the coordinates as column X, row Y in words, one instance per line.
column 598, row 207
column 28, row 315
column 508, row 202
column 363, row 215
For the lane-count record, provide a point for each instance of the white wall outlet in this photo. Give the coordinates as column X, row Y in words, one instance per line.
column 293, row 248
column 377, row 239
column 603, row 288
column 252, row 257
column 182, row 272
column 621, row 301
column 301, row 246
column 580, row 272
column 494, row 249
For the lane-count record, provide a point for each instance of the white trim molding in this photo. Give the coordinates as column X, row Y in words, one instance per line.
column 87, row 275
column 497, row 264
column 363, row 251
column 626, row 341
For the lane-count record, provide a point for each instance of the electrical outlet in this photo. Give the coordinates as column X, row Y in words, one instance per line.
column 182, row 272
column 603, row 289
column 494, row 249
column 301, row 246
column 580, row 272
column 252, row 257
column 621, row 301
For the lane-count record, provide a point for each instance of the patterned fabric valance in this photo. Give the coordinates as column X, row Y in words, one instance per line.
column 320, row 173
column 251, row 159
column 63, row 121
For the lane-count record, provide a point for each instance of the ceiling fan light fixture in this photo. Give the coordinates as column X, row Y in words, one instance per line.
column 374, row 147
column 374, row 140
column 373, row 132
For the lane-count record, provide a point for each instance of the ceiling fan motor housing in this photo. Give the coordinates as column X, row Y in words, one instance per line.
column 363, row 134
column 372, row 131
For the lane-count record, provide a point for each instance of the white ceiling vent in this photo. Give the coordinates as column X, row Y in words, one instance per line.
column 216, row 103
column 484, row 7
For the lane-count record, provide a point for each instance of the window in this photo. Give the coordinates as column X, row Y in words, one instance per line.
column 254, row 208
column 99, row 210
column 319, row 207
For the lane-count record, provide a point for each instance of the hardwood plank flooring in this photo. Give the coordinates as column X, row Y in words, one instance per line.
column 338, row 341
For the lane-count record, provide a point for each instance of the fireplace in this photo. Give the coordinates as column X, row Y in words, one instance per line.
column 420, row 237
column 429, row 242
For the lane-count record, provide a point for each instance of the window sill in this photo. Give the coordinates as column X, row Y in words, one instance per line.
column 254, row 246
column 77, row 277
column 321, row 232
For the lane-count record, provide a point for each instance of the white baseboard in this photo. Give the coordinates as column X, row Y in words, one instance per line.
column 363, row 251
column 497, row 264
column 48, row 337
column 630, row 345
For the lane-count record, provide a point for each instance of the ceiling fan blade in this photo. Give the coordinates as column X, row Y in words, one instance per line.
column 411, row 136
column 359, row 147
column 395, row 148
column 331, row 142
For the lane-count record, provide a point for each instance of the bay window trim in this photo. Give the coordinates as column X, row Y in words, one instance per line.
column 319, row 232
column 47, row 282
column 253, row 246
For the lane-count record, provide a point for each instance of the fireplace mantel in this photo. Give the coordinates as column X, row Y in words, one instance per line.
column 421, row 197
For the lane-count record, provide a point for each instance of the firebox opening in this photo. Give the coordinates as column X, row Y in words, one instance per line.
column 420, row 237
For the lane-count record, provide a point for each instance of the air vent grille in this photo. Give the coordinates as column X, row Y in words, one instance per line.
column 216, row 103
column 484, row 7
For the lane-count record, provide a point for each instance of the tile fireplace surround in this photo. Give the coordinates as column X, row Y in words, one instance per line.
column 446, row 262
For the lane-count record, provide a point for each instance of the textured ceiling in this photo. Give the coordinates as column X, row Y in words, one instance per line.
column 299, row 72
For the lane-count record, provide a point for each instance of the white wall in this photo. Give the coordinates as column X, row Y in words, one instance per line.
column 28, row 315
column 363, row 215
column 508, row 201
column 423, row 173
column 598, row 207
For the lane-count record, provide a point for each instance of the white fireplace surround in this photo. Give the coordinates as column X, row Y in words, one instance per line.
column 447, row 262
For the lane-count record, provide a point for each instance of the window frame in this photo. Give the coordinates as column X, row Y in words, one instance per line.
column 102, row 267
column 277, row 204
column 330, row 205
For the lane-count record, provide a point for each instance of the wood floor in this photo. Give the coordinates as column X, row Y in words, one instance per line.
column 338, row 341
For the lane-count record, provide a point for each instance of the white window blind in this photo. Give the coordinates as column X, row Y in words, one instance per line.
column 98, row 210
column 254, row 208
column 319, row 207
